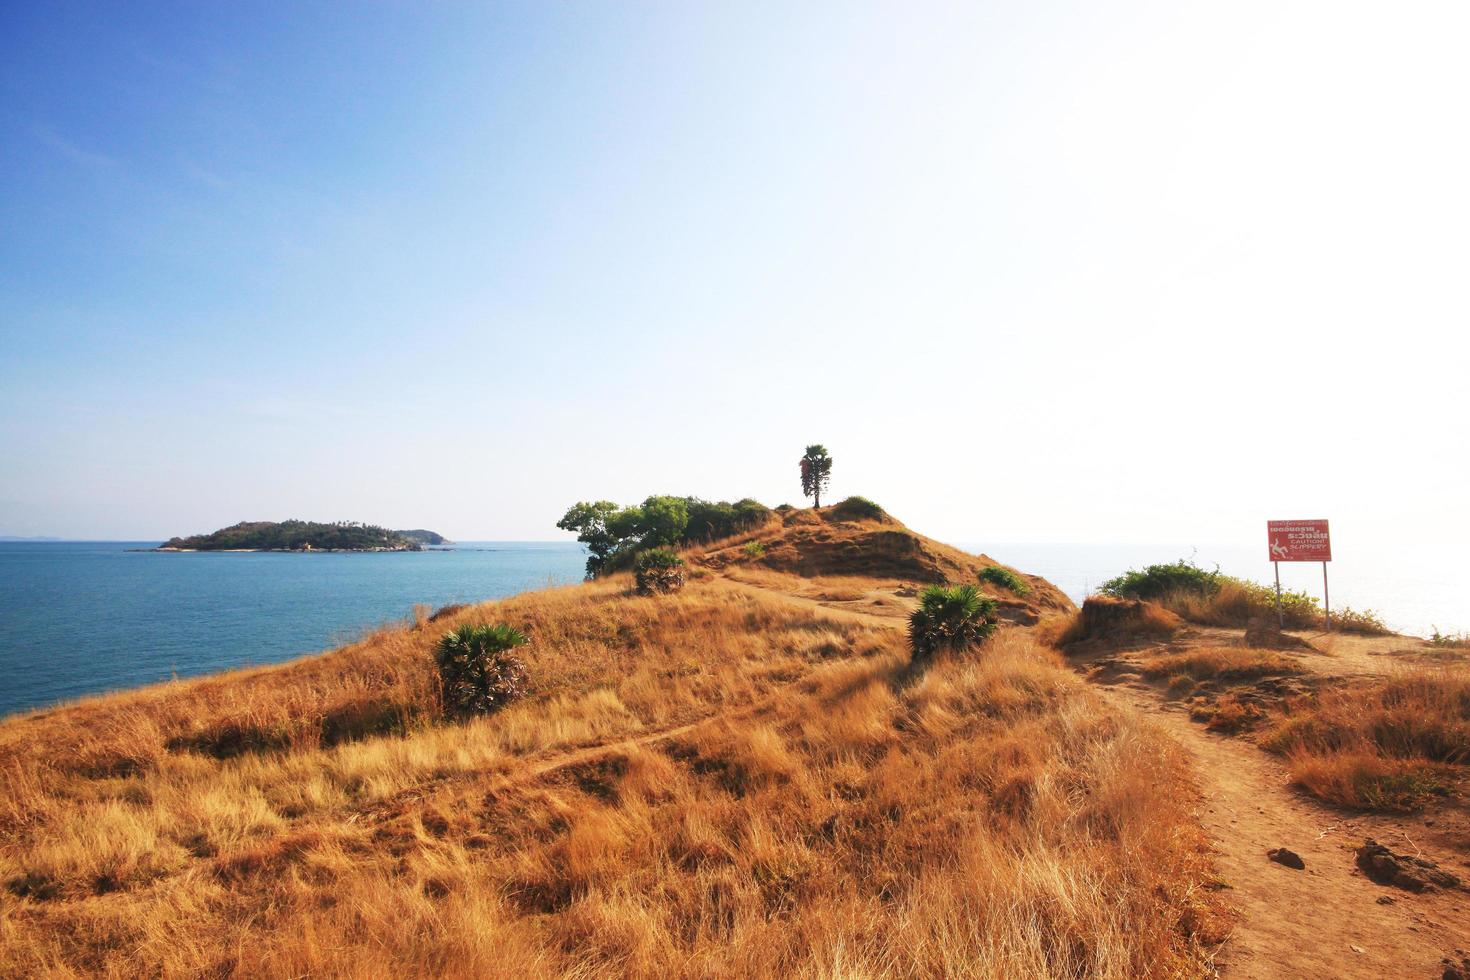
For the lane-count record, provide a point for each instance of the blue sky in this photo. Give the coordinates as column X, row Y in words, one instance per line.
column 1041, row 273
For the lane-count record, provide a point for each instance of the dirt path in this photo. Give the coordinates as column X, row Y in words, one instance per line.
column 1327, row 920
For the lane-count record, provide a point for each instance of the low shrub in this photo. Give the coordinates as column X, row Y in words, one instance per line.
column 950, row 618
column 1229, row 715
column 1106, row 618
column 1451, row 640
column 1005, row 578
column 658, row 570
column 1423, row 715
column 1157, row 581
column 444, row 612
column 1213, row 599
column 1367, row 781
column 1236, row 602
column 1350, row 620
column 1381, row 745
column 857, row 509
column 753, row 549
column 478, row 672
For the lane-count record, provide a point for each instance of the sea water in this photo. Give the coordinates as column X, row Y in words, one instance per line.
column 84, row 617
column 81, row 618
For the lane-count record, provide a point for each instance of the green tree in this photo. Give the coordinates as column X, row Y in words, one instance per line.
column 661, row 521
column 600, row 526
column 816, row 470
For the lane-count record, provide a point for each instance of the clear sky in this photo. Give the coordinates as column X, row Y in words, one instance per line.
column 1054, row 271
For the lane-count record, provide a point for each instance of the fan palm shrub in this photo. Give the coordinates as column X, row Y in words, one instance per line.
column 950, row 618
column 658, row 570
column 478, row 672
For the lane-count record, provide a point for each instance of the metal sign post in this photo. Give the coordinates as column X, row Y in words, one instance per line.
column 1300, row 541
column 1280, row 617
column 1326, row 605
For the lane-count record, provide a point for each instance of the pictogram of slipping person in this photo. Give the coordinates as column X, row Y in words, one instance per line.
column 1277, row 550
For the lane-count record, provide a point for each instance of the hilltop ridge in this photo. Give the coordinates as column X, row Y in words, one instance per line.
column 858, row 538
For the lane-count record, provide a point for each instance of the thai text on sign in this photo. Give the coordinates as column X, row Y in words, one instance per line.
column 1299, row 540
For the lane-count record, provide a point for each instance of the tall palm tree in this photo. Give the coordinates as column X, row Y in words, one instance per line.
column 816, row 470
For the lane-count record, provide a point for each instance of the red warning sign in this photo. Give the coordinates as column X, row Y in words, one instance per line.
column 1299, row 540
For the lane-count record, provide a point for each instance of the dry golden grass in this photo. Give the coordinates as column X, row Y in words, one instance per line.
column 1221, row 664
column 1236, row 603
column 883, row 596
column 1108, row 619
column 1389, row 744
column 711, row 784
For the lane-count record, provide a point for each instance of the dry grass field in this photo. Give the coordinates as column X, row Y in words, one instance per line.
column 1390, row 743
column 731, row 781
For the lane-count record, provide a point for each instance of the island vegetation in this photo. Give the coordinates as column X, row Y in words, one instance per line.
column 424, row 537
column 304, row 536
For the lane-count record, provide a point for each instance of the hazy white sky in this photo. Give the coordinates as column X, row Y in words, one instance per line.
column 1145, row 272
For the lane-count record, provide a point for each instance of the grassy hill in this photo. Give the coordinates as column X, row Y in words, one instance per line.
column 746, row 778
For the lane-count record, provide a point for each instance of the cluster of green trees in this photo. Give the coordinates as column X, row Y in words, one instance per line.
column 615, row 534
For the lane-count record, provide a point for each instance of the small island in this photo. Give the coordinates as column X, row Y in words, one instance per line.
column 304, row 536
column 424, row 537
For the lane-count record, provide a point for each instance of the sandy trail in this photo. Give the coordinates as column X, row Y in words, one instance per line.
column 1325, row 921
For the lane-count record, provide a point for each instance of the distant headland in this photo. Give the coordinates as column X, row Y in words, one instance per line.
column 305, row 536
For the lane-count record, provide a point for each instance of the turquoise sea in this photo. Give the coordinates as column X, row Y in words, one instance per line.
column 80, row 618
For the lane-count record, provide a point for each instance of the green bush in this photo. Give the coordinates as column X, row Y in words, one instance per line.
column 658, row 571
column 858, row 508
column 1366, row 621
column 753, row 549
column 710, row 521
column 1244, row 600
column 950, row 618
column 1450, row 639
column 478, row 672
column 1005, row 578
column 1215, row 599
column 1157, row 581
